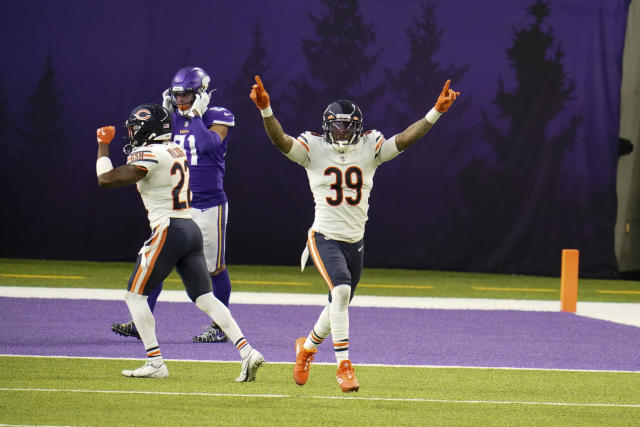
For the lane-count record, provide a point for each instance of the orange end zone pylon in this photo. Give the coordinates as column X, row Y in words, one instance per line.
column 569, row 280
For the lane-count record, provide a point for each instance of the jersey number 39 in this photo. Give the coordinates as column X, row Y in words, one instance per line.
column 352, row 179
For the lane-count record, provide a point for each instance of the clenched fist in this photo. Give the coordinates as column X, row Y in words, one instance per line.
column 105, row 134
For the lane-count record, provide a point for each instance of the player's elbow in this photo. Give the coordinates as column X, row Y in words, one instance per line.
column 102, row 181
column 402, row 142
column 280, row 146
column 106, row 181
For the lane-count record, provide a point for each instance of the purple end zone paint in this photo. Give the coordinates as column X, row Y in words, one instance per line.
column 391, row 336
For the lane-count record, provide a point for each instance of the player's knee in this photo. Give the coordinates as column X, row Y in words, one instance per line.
column 127, row 296
column 194, row 294
column 201, row 301
column 205, row 301
column 341, row 294
column 132, row 297
column 136, row 303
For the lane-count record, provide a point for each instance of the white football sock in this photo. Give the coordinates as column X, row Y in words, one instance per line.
column 320, row 331
column 339, row 315
column 145, row 324
column 221, row 315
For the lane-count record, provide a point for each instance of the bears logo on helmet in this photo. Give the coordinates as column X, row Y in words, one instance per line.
column 147, row 124
column 143, row 114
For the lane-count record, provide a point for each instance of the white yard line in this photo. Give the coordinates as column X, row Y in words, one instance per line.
column 381, row 365
column 624, row 313
column 297, row 397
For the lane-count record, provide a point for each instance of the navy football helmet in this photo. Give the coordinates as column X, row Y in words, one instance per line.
column 342, row 124
column 188, row 81
column 147, row 124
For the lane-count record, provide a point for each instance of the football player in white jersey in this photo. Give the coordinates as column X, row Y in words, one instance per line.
column 203, row 133
column 160, row 170
column 340, row 165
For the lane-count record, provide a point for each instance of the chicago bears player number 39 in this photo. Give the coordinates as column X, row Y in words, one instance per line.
column 340, row 165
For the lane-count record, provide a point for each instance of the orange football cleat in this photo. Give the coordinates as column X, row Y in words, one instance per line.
column 304, row 358
column 346, row 377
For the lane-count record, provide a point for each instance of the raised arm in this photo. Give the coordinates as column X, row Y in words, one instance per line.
column 274, row 130
column 420, row 128
column 108, row 177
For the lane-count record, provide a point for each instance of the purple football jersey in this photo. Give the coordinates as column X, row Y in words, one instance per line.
column 205, row 153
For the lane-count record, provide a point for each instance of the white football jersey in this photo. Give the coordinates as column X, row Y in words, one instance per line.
column 340, row 182
column 165, row 189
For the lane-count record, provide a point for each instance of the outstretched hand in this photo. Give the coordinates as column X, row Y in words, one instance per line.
column 259, row 95
column 446, row 98
column 105, row 134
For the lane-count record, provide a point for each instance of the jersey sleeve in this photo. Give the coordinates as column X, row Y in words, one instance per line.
column 144, row 158
column 299, row 152
column 218, row 116
column 385, row 149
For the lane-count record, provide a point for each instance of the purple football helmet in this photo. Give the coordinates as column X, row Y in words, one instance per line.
column 188, row 82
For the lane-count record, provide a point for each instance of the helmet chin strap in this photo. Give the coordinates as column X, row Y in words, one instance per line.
column 342, row 146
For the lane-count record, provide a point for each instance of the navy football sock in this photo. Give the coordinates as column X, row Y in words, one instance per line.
column 153, row 297
column 222, row 286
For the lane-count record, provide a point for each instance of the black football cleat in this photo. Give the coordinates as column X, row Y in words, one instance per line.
column 125, row 329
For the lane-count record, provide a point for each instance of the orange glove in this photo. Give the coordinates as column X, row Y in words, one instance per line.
column 105, row 134
column 259, row 95
column 446, row 98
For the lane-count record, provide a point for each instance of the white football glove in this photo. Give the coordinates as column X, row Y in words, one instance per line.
column 201, row 104
column 166, row 100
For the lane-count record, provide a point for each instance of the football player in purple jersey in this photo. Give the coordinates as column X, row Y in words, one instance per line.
column 202, row 132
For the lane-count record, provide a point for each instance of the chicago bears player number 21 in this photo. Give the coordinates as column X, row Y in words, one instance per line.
column 160, row 170
column 340, row 165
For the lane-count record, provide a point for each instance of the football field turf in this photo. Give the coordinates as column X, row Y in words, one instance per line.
column 62, row 391
column 594, row 381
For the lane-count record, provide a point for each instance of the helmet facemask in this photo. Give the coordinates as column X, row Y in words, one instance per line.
column 182, row 100
column 342, row 125
column 343, row 135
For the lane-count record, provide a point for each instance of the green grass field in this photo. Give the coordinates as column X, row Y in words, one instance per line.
column 77, row 391
column 61, row 391
column 385, row 282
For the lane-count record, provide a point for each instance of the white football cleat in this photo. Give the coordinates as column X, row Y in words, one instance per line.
column 250, row 366
column 148, row 371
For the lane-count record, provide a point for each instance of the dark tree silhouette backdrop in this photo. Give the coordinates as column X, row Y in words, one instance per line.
column 521, row 208
column 522, row 167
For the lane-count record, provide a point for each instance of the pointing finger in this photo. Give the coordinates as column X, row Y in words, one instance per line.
column 446, row 87
column 260, row 86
